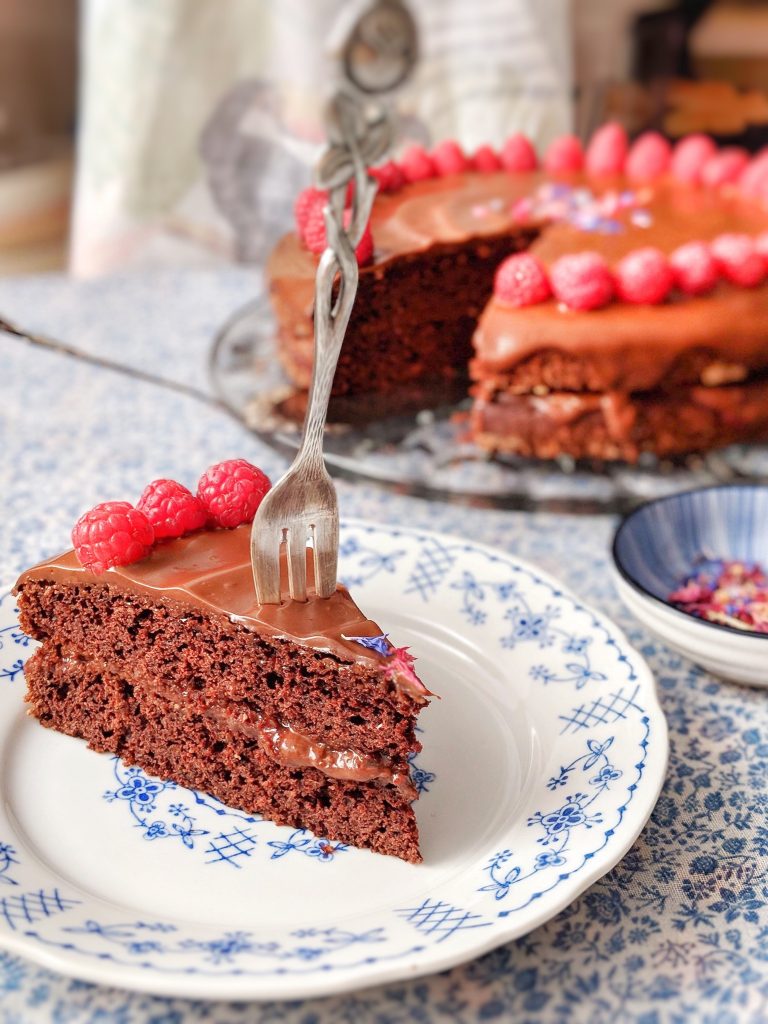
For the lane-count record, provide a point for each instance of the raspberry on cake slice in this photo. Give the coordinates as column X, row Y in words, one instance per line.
column 172, row 509
column 154, row 648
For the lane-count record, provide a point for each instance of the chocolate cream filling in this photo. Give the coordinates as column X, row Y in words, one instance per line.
column 285, row 745
column 293, row 749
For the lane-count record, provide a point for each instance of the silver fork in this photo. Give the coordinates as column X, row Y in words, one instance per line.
column 303, row 506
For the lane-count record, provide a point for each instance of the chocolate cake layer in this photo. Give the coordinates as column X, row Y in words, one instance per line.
column 124, row 716
column 410, row 334
column 274, row 709
column 715, row 339
column 617, row 426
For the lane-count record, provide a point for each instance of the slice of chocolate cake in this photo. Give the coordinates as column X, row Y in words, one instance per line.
column 301, row 712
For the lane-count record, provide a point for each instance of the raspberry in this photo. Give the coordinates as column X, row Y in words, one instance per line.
column 486, row 159
column 695, row 268
column 738, row 259
column 564, row 155
column 761, row 248
column 171, row 508
column 755, row 177
column 649, row 157
column 112, row 533
column 521, row 280
column 449, row 158
column 315, row 237
column 517, row 154
column 231, row 492
column 762, row 195
column 306, row 200
column 607, row 151
column 582, row 280
column 314, row 229
column 689, row 157
column 388, row 175
column 417, row 164
column 364, row 250
column 644, row 276
column 313, row 234
column 724, row 167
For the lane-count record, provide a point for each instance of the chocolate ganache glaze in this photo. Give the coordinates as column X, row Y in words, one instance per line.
column 634, row 348
column 623, row 347
column 211, row 570
column 294, row 749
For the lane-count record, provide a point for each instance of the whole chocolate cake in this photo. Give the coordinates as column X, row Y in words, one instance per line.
column 303, row 712
column 603, row 304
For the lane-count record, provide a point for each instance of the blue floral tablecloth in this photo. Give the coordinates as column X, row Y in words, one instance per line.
column 677, row 932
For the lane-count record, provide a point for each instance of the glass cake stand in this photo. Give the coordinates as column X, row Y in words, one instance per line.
column 427, row 453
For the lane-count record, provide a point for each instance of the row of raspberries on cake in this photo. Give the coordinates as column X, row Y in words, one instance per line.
column 118, row 533
column 694, row 160
column 583, row 280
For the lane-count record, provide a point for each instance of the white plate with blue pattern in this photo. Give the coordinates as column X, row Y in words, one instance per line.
column 541, row 764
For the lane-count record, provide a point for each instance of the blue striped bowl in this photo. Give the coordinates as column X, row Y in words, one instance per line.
column 655, row 548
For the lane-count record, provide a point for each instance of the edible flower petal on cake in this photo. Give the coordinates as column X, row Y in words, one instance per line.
column 378, row 643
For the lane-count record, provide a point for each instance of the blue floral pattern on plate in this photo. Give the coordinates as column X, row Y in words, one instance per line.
column 13, row 635
column 7, row 860
column 527, row 625
column 557, row 825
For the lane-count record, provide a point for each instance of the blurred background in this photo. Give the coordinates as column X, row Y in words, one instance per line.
column 135, row 133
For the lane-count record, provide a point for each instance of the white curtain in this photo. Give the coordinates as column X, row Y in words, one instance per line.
column 199, row 120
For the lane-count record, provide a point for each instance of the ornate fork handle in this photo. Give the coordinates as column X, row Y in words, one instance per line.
column 338, row 262
column 378, row 54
